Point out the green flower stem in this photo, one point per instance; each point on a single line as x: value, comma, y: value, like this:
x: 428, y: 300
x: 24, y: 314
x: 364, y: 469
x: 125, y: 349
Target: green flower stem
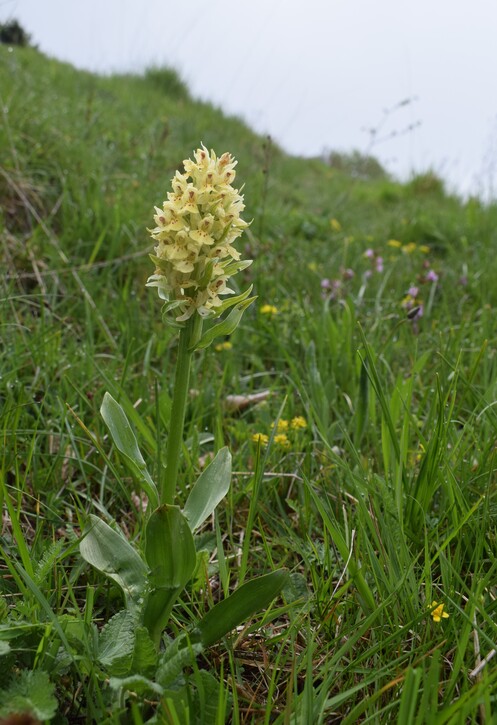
x: 188, y: 336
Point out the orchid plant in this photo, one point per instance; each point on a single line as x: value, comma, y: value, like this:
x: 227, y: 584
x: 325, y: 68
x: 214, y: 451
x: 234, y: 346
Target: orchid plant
x: 194, y: 258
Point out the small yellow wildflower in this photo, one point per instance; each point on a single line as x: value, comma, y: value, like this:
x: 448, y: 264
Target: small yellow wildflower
x: 268, y: 310
x: 409, y: 248
x: 394, y: 243
x: 424, y: 248
x: 282, y: 425
x: 438, y: 612
x: 226, y: 345
x: 260, y: 438
x: 282, y: 440
x: 335, y: 225
x: 298, y: 422
x: 313, y: 266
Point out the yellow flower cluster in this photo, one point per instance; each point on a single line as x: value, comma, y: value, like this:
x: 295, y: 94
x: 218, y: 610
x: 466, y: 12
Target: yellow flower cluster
x: 298, y: 422
x: 268, y: 310
x: 408, y: 248
x: 295, y: 423
x: 260, y: 438
x: 222, y: 346
x: 282, y: 440
x: 195, y: 231
x: 282, y: 427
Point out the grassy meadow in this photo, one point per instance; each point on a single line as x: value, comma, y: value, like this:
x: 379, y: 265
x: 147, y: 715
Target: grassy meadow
x: 357, y: 398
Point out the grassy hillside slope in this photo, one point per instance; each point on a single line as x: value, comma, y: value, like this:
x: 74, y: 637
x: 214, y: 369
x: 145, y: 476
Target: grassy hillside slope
x: 375, y: 325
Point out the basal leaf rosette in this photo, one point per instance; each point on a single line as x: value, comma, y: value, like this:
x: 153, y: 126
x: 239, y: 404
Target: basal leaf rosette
x: 195, y: 232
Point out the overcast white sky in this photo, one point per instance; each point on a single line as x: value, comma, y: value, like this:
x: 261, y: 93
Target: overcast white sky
x: 315, y: 74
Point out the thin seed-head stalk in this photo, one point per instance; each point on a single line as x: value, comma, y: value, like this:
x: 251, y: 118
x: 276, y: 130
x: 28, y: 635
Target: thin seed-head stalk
x: 188, y: 336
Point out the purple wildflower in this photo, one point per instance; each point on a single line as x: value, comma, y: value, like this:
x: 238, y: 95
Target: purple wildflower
x: 431, y: 276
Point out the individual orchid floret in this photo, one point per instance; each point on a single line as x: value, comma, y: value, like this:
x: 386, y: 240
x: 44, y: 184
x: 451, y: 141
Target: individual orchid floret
x: 195, y: 231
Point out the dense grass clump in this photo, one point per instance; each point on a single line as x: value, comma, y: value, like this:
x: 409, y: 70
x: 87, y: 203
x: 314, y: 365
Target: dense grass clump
x: 357, y: 398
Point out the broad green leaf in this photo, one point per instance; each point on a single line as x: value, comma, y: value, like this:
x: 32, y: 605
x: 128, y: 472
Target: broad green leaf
x: 116, y: 643
x: 136, y: 683
x: 30, y: 692
x: 226, y: 326
x: 157, y: 610
x: 111, y: 554
x: 144, y: 660
x: 295, y: 588
x: 169, y: 548
x: 125, y: 441
x: 205, y: 696
x: 210, y: 488
x: 82, y: 636
x: 120, y: 429
x: 170, y: 554
x: 240, y: 606
x: 130, y: 411
x: 178, y: 654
